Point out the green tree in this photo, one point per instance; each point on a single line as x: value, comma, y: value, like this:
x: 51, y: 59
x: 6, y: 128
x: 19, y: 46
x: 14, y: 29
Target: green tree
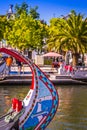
x: 27, y: 9
x: 21, y: 8
x: 53, y: 30
x: 33, y: 12
x: 26, y: 33
x: 3, y: 22
x: 70, y: 34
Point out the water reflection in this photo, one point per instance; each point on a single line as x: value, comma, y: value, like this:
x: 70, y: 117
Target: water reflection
x: 72, y: 110
x: 9, y: 92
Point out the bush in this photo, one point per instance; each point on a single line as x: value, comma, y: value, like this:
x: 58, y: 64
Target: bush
x: 47, y: 61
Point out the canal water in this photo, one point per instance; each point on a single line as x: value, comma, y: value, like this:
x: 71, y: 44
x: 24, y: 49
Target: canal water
x: 72, y: 110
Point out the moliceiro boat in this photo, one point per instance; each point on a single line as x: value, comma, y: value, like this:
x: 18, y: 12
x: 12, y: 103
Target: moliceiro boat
x: 39, y: 106
x: 80, y: 74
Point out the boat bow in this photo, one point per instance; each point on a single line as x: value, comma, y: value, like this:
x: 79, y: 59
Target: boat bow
x: 40, y: 104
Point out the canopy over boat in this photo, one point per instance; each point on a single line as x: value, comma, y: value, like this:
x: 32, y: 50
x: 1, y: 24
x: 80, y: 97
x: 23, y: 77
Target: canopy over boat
x: 38, y: 107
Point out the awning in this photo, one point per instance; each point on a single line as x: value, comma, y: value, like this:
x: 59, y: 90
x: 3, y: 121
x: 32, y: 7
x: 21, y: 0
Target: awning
x: 52, y: 54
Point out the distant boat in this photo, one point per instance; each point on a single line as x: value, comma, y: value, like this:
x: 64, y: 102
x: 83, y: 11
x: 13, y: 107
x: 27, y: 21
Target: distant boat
x: 39, y: 106
x: 80, y: 74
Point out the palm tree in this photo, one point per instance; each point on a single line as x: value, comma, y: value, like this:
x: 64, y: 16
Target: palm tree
x: 72, y: 35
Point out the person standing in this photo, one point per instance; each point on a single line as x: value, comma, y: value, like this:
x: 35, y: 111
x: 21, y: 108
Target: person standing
x: 9, y: 61
x: 19, y: 66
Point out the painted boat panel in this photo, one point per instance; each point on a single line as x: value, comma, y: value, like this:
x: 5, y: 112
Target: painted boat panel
x: 39, y: 105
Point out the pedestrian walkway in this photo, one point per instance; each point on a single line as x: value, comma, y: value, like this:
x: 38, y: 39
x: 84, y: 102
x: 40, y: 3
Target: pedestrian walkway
x: 26, y: 69
x: 25, y: 76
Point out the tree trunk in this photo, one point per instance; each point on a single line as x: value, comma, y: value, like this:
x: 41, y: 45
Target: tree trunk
x: 75, y: 59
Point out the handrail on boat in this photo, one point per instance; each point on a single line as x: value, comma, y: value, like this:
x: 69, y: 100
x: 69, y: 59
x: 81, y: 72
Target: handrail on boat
x: 9, y: 113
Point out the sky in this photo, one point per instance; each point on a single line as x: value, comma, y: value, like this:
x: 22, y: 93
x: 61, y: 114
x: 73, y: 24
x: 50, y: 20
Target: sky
x: 49, y: 8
